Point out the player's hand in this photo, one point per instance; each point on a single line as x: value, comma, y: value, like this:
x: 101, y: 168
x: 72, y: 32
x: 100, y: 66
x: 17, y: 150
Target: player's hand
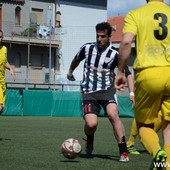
x: 13, y: 74
x: 70, y: 77
x: 132, y: 98
x: 120, y: 82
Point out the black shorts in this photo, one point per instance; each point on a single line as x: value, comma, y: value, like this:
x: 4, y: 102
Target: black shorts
x: 92, y: 102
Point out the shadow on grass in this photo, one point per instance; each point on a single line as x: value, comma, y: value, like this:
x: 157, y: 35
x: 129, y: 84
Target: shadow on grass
x: 143, y: 151
x: 1, y: 139
x: 70, y: 160
x: 99, y: 156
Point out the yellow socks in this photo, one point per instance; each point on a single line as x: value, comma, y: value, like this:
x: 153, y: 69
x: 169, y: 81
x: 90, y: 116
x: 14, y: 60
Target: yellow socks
x: 167, y: 149
x: 150, y: 140
x: 133, y: 133
x: 158, y: 122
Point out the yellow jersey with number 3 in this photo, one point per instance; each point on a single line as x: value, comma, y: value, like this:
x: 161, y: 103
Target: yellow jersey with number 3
x: 151, y: 26
x: 3, y: 61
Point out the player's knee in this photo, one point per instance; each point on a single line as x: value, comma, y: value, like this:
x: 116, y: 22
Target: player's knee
x: 113, y: 116
x: 91, y: 125
x: 91, y: 121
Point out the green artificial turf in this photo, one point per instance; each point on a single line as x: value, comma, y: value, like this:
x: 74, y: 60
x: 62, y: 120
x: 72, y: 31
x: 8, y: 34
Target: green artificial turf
x: 33, y: 143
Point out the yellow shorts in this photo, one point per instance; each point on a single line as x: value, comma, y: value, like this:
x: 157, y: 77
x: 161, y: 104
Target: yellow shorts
x: 152, y: 89
x: 2, y: 94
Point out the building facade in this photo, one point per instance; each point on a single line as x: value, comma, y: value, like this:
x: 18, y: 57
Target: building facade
x: 29, y: 36
x: 43, y: 36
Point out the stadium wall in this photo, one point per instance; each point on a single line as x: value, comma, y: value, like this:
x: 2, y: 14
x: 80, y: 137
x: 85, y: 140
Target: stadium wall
x: 53, y: 103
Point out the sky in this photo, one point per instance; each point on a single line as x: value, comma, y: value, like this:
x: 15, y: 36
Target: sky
x: 121, y: 7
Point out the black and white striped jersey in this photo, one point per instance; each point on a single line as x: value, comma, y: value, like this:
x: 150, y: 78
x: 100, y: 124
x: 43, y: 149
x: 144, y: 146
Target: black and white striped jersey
x: 98, y: 67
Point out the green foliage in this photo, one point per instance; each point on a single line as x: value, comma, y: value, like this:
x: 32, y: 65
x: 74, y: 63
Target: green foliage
x: 30, y: 31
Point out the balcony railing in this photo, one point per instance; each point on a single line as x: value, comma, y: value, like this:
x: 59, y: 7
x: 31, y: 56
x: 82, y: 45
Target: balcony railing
x: 40, y: 32
x: 43, y: 86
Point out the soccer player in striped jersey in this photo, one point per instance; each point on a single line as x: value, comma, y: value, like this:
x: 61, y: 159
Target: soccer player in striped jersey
x: 150, y: 26
x: 100, y: 59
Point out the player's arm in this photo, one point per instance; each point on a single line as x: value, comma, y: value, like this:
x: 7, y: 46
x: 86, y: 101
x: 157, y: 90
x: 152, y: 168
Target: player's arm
x: 124, y: 54
x: 73, y: 66
x: 130, y: 83
x: 11, y: 70
x: 125, y: 50
x: 75, y: 62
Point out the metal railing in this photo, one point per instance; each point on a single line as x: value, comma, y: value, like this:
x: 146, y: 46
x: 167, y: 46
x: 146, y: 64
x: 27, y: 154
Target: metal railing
x: 29, y: 31
x: 42, y: 86
x: 55, y: 87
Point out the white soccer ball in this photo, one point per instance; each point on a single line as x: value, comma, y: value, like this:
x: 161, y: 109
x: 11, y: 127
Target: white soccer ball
x: 71, y: 148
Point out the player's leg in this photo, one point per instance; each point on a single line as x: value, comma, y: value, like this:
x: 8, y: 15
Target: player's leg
x: 158, y: 154
x: 91, y: 121
x: 109, y: 103
x: 158, y: 122
x: 91, y: 110
x: 119, y: 131
x: 133, y: 133
x: 147, y: 105
x: 166, y: 127
x: 2, y: 98
x: 166, y: 135
x: 131, y: 141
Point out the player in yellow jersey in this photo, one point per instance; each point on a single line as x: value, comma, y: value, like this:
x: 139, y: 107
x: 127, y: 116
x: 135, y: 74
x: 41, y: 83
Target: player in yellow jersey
x: 4, y: 65
x: 150, y: 26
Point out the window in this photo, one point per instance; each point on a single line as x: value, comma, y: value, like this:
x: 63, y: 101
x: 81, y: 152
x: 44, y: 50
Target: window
x: 17, y: 61
x: 36, y: 61
x: 38, y: 15
x: 33, y: 18
x: 17, y: 15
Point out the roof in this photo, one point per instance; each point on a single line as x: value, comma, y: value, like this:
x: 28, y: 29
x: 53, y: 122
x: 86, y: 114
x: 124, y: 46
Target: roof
x: 117, y: 22
x: 19, y: 1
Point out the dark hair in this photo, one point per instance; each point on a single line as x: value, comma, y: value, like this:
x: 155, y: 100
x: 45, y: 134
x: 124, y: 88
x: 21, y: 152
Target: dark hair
x: 1, y: 31
x: 104, y: 26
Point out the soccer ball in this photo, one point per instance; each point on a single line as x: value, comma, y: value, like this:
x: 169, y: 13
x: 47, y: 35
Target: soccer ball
x: 71, y: 148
